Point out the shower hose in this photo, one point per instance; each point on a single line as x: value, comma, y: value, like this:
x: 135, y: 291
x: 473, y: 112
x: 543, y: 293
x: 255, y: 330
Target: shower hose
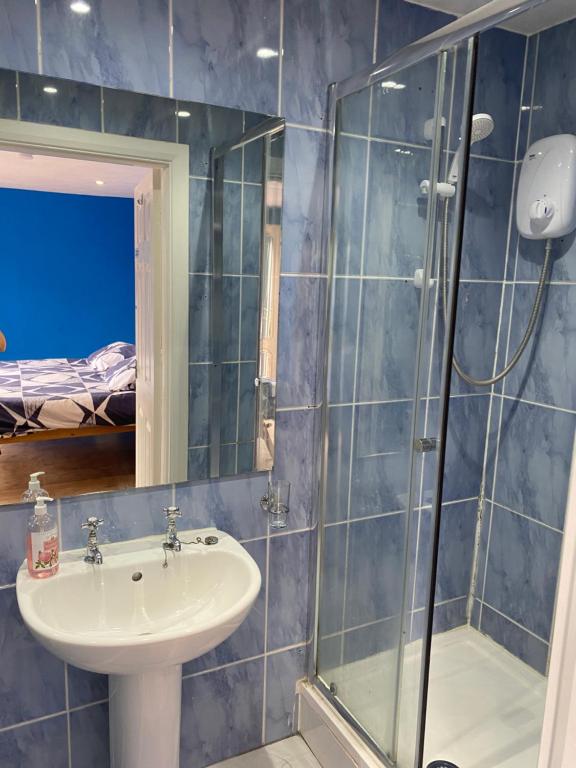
x: 531, y: 322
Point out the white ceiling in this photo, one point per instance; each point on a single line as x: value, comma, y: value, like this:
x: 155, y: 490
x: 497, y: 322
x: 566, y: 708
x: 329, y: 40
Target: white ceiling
x: 547, y: 15
x: 47, y: 173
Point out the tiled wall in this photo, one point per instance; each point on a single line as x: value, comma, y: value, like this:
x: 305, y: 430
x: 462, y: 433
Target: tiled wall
x: 533, y: 412
x: 248, y: 683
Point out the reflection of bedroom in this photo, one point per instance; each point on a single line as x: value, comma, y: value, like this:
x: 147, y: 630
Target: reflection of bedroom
x: 67, y: 386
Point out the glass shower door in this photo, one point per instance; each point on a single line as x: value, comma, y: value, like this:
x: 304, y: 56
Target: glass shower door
x: 383, y: 406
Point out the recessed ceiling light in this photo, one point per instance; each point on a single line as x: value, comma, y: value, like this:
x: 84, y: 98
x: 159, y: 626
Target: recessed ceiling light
x: 50, y: 89
x: 100, y: 182
x: 266, y: 53
x: 182, y: 113
x: 80, y: 6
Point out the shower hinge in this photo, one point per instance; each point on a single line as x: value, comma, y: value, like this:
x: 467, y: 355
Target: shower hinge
x: 425, y: 444
x: 333, y: 689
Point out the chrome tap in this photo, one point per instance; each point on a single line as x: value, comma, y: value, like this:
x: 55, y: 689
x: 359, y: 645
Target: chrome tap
x: 93, y: 554
x: 172, y: 543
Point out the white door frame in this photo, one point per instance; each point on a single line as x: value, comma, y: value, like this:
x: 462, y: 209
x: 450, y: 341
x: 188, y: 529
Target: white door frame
x: 172, y: 263
x: 558, y: 744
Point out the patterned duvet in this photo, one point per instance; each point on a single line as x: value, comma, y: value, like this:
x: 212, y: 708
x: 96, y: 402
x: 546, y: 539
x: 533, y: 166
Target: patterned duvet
x: 57, y: 394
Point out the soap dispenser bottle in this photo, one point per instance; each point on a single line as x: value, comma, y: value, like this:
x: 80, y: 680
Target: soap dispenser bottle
x: 42, y: 541
x: 34, y: 490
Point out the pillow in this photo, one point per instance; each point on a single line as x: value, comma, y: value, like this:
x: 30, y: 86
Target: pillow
x: 121, y: 376
x: 113, y: 353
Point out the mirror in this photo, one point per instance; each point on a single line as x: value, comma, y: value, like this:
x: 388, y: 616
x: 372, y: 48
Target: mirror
x: 141, y: 242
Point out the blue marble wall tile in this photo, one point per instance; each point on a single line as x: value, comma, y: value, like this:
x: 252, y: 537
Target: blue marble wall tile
x: 465, y: 446
x: 228, y: 455
x: 251, y: 229
x: 332, y: 579
x: 248, y: 640
x: 300, y: 302
x: 8, y: 100
x: 531, y: 258
x: 35, y: 743
x: 127, y: 515
x: 338, y: 463
x: 348, y: 214
x: 329, y: 652
x: 483, y: 549
x: 283, y: 672
x: 199, y: 415
x: 76, y: 105
x: 455, y: 552
x: 388, y: 336
x: 198, y: 464
x: 18, y: 44
x: 294, y: 461
x: 253, y: 153
x: 499, y: 89
x: 375, y: 555
x: 89, y: 737
x: 476, y: 334
x: 367, y: 641
x: 231, y: 241
x: 247, y: 402
x: 121, y: 45
x: 401, y: 114
x: 220, y: 41
x: 529, y: 75
x: 380, y: 463
x: 353, y: 113
x: 229, y: 402
x: 13, y: 528
x: 208, y: 127
x: 447, y: 616
x: 305, y: 164
x: 323, y: 43
x: 31, y: 678
x: 230, y: 318
x: 134, y: 114
x: 343, y: 331
x: 397, y: 211
x: 231, y: 505
x: 555, y: 96
x: 245, y: 457
x: 546, y: 372
x: 521, y: 644
x: 222, y: 711
x: 250, y: 309
x: 400, y: 23
x: 288, y: 590
x: 85, y: 687
x: 199, y: 224
x: 199, y: 318
x: 532, y: 474
x: 523, y: 561
x: 488, y: 200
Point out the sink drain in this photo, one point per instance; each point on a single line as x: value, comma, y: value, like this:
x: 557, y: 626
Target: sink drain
x: 136, y: 576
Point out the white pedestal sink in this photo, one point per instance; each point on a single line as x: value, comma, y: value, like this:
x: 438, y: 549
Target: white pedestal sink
x: 138, y: 622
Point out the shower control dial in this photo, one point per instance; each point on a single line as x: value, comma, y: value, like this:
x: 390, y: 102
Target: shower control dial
x: 541, y: 211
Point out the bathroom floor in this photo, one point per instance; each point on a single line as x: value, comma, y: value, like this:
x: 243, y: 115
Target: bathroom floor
x: 289, y: 753
x: 485, y: 707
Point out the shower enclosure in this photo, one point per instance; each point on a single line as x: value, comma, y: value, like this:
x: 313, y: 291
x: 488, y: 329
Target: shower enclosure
x: 424, y: 641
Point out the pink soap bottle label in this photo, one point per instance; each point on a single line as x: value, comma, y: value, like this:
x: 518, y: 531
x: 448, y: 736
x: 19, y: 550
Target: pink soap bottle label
x: 42, y: 553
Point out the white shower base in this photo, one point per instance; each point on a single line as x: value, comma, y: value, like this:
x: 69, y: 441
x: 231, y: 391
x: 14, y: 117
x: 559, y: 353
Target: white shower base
x: 485, y: 706
x: 288, y: 753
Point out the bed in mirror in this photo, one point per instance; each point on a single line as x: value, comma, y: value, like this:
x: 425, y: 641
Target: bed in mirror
x: 141, y: 246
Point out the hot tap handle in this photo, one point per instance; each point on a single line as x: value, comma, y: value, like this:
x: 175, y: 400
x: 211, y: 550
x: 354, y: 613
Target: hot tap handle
x: 93, y: 523
x: 172, y: 512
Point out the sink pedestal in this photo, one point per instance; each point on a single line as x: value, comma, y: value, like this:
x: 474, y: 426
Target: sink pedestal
x: 145, y: 718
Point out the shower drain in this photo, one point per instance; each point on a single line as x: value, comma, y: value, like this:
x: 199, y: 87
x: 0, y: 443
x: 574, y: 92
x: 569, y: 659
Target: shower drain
x: 441, y: 764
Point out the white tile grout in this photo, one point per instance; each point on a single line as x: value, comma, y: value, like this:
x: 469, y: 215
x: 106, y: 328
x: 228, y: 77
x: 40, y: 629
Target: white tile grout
x: 526, y: 517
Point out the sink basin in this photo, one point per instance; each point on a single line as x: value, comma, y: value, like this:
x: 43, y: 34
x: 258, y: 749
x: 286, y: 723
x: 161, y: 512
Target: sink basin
x: 139, y: 622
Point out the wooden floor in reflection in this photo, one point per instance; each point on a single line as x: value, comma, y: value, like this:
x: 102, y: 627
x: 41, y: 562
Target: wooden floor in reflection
x: 72, y: 466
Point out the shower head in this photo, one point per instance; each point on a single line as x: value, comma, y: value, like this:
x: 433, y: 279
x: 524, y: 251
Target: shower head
x: 482, y: 127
